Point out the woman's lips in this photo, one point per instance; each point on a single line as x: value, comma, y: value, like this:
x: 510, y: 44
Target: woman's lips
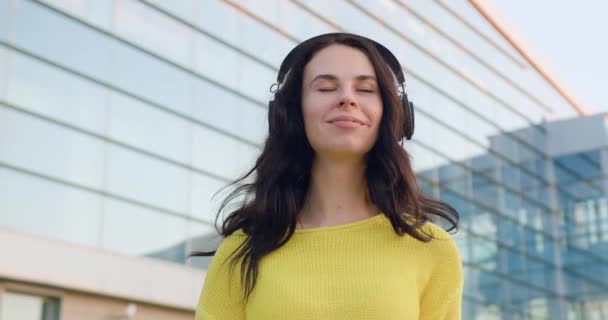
x: 346, y: 123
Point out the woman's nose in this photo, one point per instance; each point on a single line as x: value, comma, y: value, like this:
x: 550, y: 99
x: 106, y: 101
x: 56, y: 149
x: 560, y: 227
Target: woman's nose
x: 347, y: 98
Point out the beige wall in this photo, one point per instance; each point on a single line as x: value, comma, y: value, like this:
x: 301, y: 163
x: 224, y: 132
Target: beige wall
x: 78, y: 305
x: 31, y: 259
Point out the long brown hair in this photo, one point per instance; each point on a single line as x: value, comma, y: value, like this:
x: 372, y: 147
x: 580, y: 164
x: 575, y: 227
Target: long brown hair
x: 275, y: 193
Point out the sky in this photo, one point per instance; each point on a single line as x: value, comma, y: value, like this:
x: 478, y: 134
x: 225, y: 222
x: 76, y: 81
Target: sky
x: 570, y: 38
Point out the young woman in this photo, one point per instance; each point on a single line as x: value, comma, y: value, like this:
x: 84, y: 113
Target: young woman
x: 333, y: 225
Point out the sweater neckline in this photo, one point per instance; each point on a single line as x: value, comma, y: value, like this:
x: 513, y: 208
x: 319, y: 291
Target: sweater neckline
x: 341, y: 226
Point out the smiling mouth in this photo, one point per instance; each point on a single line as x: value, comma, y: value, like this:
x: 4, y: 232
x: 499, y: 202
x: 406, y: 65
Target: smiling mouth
x: 346, y: 123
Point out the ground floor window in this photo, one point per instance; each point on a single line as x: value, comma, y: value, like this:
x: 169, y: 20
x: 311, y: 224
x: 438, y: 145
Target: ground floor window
x: 23, y: 306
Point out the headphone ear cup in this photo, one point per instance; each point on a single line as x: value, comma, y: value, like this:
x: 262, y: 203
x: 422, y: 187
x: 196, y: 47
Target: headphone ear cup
x: 408, y: 117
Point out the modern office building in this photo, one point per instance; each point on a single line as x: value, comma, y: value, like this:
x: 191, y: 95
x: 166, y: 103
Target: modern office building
x: 120, y: 119
x: 535, y: 232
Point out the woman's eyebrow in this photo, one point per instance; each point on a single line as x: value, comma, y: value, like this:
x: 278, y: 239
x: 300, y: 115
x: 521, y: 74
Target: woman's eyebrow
x: 365, y: 77
x: 325, y: 77
x: 332, y: 77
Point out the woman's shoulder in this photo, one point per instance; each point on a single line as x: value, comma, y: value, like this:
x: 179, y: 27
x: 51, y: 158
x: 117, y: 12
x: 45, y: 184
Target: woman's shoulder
x: 238, y: 234
x: 231, y: 242
x: 442, y: 247
x: 435, y: 231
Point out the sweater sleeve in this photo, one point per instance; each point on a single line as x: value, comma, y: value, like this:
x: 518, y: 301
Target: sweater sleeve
x: 221, y: 297
x: 442, y: 296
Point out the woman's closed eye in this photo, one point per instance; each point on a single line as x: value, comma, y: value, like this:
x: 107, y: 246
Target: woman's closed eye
x: 333, y: 89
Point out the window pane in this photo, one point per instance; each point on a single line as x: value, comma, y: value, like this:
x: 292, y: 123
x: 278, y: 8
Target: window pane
x: 229, y: 112
x: 43, y: 32
x: 203, y: 189
x: 138, y: 124
x: 255, y: 80
x: 50, y: 149
x: 47, y: 90
x: 28, y: 307
x: 139, y: 177
x: 254, y: 37
x: 236, y: 71
x: 185, y: 9
x: 423, y: 159
x: 58, y: 212
x: 154, y: 31
x: 151, y: 78
x: 97, y: 12
x: 453, y: 146
x: 20, y: 306
x: 220, y: 154
x: 5, y: 11
x: 300, y: 23
x: 3, y: 71
x: 138, y: 231
x: 202, y: 237
x: 216, y: 17
x: 207, y: 54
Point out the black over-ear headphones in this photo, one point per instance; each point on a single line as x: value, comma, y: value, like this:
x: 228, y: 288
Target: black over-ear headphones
x: 389, y: 59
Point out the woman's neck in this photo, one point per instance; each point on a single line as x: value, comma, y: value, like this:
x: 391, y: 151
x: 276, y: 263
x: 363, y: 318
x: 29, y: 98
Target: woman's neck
x: 337, y: 194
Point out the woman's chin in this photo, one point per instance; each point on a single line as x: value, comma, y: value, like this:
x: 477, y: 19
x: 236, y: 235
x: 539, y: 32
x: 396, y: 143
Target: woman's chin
x: 343, y: 150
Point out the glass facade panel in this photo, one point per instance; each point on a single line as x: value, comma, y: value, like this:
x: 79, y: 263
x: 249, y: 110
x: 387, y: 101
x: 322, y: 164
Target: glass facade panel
x: 5, y: 16
x: 96, y: 12
x: 139, y: 231
x: 151, y: 79
x: 183, y: 9
x: 137, y: 124
x: 203, y: 205
x: 49, y: 149
x: 144, y: 26
x: 299, y: 23
x: 49, y: 209
x: 222, y: 155
x: 144, y: 179
x: 3, y: 67
x: 50, y: 92
x: 43, y: 32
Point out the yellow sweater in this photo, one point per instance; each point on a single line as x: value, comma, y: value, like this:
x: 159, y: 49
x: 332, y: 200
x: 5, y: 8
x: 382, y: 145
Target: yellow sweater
x: 359, y: 270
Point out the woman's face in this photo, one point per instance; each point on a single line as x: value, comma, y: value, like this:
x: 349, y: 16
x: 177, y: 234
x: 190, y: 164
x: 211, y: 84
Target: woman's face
x: 341, y: 102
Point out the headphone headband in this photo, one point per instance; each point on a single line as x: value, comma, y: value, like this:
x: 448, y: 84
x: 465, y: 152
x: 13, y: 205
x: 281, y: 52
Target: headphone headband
x: 386, y: 54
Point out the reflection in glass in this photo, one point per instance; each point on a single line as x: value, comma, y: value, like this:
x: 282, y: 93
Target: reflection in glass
x: 202, y: 237
x: 300, y: 23
x: 3, y: 72
x: 97, y: 12
x: 203, y: 205
x: 43, y: 32
x: 154, y: 31
x: 45, y: 208
x: 221, y: 155
x: 137, y: 124
x: 5, y: 10
x: 138, y: 231
x: 151, y: 79
x: 142, y: 178
x: 206, y: 55
x: 229, y: 112
x: 49, y: 91
x: 50, y: 149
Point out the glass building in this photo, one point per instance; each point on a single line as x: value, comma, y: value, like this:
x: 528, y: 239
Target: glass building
x: 120, y: 119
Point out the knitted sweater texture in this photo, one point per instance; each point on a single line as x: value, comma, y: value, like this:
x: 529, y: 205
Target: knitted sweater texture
x: 358, y: 270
